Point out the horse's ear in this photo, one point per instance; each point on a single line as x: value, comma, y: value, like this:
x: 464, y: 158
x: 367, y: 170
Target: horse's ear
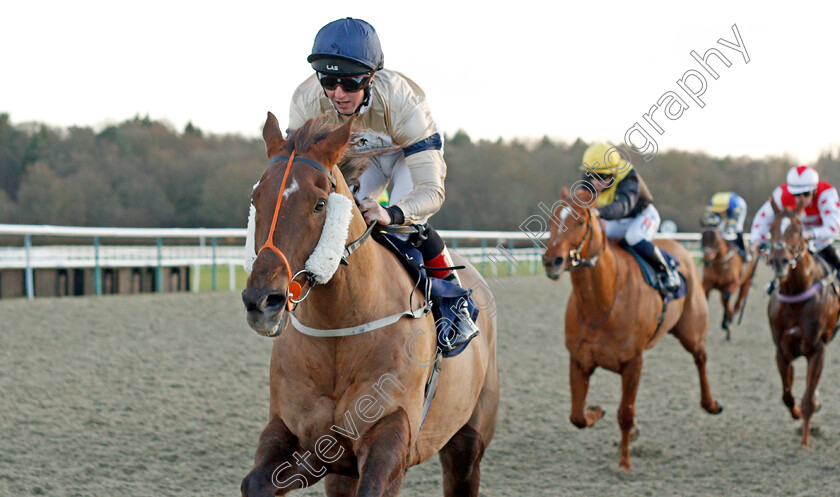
x: 272, y: 135
x: 775, y: 207
x: 564, y: 193
x: 329, y: 150
x: 584, y: 197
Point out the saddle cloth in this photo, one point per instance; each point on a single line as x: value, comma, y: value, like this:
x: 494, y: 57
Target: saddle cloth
x: 445, y: 295
x: 650, y: 273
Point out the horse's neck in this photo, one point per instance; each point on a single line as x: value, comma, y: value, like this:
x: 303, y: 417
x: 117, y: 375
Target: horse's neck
x: 800, y: 278
x: 597, y: 285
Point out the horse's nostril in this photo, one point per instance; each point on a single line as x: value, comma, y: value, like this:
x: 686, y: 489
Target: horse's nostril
x: 273, y: 302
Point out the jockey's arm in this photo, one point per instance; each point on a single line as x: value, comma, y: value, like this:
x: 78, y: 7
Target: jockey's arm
x: 761, y: 224
x: 427, y: 170
x: 626, y: 197
x: 413, y: 128
x: 830, y: 216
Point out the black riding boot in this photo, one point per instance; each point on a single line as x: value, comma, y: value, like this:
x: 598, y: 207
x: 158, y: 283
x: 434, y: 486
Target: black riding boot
x: 829, y: 254
x: 668, y: 278
x: 436, y: 255
x: 739, y: 242
x: 464, y: 325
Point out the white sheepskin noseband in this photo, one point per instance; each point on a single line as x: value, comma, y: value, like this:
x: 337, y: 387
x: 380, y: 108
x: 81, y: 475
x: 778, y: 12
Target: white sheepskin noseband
x: 326, y: 257
x: 250, y: 249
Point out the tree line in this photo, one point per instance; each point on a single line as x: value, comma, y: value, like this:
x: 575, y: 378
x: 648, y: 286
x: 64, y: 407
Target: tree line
x: 144, y: 173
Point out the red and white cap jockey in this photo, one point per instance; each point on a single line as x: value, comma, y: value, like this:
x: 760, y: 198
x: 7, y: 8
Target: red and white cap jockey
x: 820, y: 217
x: 801, y: 179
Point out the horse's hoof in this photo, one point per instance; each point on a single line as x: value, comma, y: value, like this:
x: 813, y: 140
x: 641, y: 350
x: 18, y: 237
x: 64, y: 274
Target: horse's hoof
x: 795, y: 413
x: 625, y: 465
x: 717, y: 408
x: 597, y: 410
x: 593, y: 414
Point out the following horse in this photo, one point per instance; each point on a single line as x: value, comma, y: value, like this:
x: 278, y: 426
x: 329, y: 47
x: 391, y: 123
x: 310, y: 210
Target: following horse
x: 723, y: 270
x: 611, y: 316
x: 802, y: 312
x: 350, y: 408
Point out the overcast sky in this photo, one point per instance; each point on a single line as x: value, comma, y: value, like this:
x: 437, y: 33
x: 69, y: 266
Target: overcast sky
x: 494, y: 69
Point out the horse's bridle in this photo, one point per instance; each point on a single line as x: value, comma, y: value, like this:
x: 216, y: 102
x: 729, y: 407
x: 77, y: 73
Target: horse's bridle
x: 797, y: 255
x: 575, y: 260
x: 293, y: 297
x: 729, y: 254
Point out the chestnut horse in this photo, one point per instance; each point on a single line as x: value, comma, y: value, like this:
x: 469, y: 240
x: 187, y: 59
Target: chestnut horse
x: 350, y: 408
x: 611, y: 316
x: 802, y: 312
x: 723, y: 270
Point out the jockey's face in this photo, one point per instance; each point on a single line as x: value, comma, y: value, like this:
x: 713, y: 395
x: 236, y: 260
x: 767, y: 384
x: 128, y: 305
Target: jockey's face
x: 601, y: 181
x: 804, y: 198
x: 345, y: 102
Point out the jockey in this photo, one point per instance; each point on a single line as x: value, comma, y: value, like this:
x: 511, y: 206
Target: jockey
x: 820, y: 217
x: 626, y: 205
x: 728, y: 211
x: 392, y: 117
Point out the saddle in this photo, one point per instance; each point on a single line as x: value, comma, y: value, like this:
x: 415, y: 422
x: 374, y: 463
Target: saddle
x: 443, y: 294
x: 650, y: 274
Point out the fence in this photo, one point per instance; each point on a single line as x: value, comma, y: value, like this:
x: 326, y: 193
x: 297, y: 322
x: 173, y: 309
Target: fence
x: 165, y: 249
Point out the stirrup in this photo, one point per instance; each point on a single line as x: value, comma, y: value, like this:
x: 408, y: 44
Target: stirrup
x: 771, y: 287
x: 669, y: 280
x: 464, y: 327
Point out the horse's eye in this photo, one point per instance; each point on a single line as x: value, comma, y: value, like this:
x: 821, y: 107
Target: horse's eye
x: 320, y: 205
x: 580, y: 223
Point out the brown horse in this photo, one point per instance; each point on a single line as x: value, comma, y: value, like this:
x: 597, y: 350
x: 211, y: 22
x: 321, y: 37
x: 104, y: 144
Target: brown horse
x: 802, y: 312
x: 611, y: 316
x: 723, y: 270
x: 350, y: 408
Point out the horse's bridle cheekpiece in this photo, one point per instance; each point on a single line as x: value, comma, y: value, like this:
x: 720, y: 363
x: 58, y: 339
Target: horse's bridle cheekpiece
x: 322, y: 275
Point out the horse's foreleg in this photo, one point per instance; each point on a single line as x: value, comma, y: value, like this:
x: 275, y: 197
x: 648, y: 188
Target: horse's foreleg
x: 743, y: 288
x: 808, y: 404
x: 726, y: 300
x: 786, y: 373
x: 631, y: 372
x: 279, y: 464
x: 579, y: 383
x: 382, y: 455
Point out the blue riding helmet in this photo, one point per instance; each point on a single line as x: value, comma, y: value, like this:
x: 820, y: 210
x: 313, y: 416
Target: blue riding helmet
x: 346, y: 47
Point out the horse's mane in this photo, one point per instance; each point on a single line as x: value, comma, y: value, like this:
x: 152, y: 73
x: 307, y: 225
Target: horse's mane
x: 351, y: 165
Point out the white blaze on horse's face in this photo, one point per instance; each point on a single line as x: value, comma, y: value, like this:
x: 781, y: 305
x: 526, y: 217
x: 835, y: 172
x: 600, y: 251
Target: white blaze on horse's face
x: 784, y: 224
x: 564, y: 213
x: 561, y: 226
x: 290, y: 189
